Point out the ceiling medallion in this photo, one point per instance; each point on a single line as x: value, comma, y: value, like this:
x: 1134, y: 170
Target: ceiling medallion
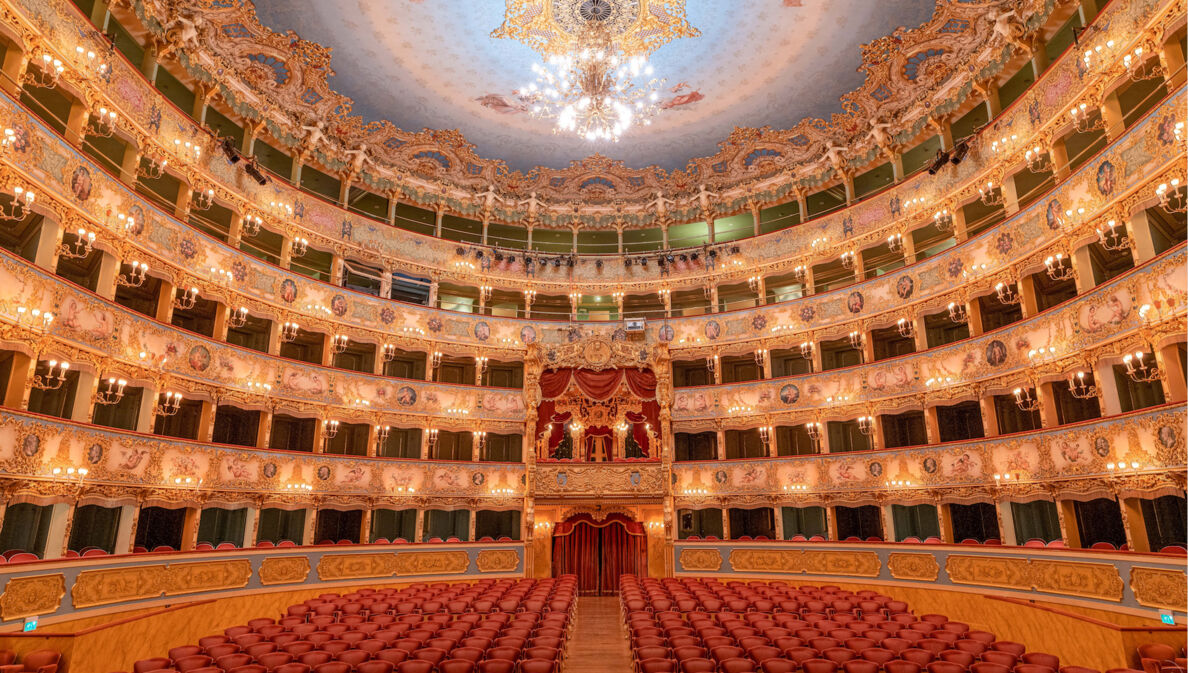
x: 595, y: 82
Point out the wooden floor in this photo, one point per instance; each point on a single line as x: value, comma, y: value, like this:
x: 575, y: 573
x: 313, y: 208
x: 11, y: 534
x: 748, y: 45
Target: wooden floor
x: 598, y: 644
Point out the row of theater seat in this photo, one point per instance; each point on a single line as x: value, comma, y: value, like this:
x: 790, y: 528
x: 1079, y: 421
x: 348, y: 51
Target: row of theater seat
x: 706, y: 626
x: 1160, y: 658
x: 492, y: 626
x: 37, y: 661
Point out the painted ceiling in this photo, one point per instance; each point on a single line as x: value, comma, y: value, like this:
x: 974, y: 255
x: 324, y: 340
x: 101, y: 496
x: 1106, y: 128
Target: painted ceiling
x: 433, y: 64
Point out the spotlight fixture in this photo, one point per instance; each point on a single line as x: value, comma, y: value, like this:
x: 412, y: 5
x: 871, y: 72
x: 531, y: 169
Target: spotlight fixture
x: 643, y: 263
x: 229, y: 151
x: 942, y: 158
x: 499, y: 257
x: 627, y: 263
x: 960, y: 152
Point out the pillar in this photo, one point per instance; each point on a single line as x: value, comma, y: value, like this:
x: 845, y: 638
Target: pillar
x: 1171, y: 57
x: 470, y: 527
x: 190, y: 528
x: 1135, y: 524
x: 109, y: 270
x: 418, y: 534
x: 295, y: 173
x: 721, y: 440
x: 392, y: 204
x: 1111, y: 112
x: 365, y: 527
x: 221, y: 316
x: 1082, y: 264
x: 664, y: 235
x: 439, y: 215
x: 1167, y: 359
x: 973, y: 309
x: 802, y: 203
x: 76, y: 121
x: 831, y: 523
x: 182, y: 209
x: 1058, y: 153
x: 344, y: 196
x: 896, y: 167
x: 714, y: 308
x: 1069, y: 531
x: 58, y: 535
x: 250, y: 132
x: 147, y: 415
x: 1142, y: 243
x: 931, y: 425
x: 779, y: 521
x: 1010, y: 195
x: 921, y: 332
x: 125, y: 540
x: 16, y: 62
x: 264, y: 430
x: 989, y: 89
x: 337, y: 269
x: 251, y: 526
x: 909, y: 248
x: 1029, y: 296
x: 619, y: 234
x: 130, y: 165
x: 848, y: 183
x: 960, y: 230
x: 725, y: 522
x: 888, y: 522
x: 1046, y: 395
x: 286, y: 252
x: 20, y: 382
x: 989, y: 416
x: 206, y: 417
x: 945, y: 517
x: 386, y: 284
x: 48, y: 240
x: 1006, y: 523
x: 311, y: 522
x: 83, y: 409
x: 148, y: 62
x: 433, y: 293
x: 165, y: 295
x: 202, y: 95
x: 1107, y: 388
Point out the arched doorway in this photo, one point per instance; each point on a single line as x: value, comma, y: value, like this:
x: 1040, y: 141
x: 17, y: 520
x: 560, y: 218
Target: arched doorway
x: 598, y: 552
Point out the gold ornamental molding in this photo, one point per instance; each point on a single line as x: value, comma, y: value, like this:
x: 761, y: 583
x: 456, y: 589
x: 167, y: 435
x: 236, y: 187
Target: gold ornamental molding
x: 701, y: 560
x: 432, y: 563
x: 284, y: 570
x: 116, y: 585
x: 795, y: 561
x: 497, y: 561
x: 353, y: 566
x: 29, y: 596
x: 552, y: 27
x: 913, y: 566
x: 1160, y: 588
x: 1071, y: 578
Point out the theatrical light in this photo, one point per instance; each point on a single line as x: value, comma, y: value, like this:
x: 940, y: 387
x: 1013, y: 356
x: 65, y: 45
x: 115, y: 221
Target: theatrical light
x: 299, y: 247
x: 382, y: 432
x: 990, y: 195
x: 34, y: 319
x: 1078, y: 388
x: 46, y: 74
x: 288, y: 332
x: 480, y: 440
x: 80, y: 472
x: 1137, y: 67
x: 102, y: 123
x: 907, y: 328
x: 186, y: 300
x: 329, y: 429
x: 89, y: 63
x: 434, y: 360
x: 1072, y: 218
x: 135, y: 277
x: 711, y: 363
x: 847, y: 259
x: 942, y: 158
x: 753, y: 283
x: 766, y: 433
x: 54, y: 378
x: 186, y: 148
x: 1025, y: 401
x: 799, y: 273
x: 170, y: 405
x: 339, y: 343
x: 82, y: 246
x: 1111, y: 238
x: 237, y: 318
x: 761, y: 357
x: 1040, y: 355
x: 960, y: 152
x: 297, y: 486
x: 1058, y: 267
x: 857, y: 340
x: 958, y: 313
x: 1172, y: 197
x: 113, y: 393
x: 1006, y: 294
x: 485, y: 293
x: 1138, y: 370
x: 1000, y: 145
x: 125, y: 222
x: 480, y: 364
x: 866, y: 425
x: 943, y: 220
x: 813, y: 429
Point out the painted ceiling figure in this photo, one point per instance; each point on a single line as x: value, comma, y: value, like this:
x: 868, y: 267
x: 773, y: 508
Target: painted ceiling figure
x: 661, y: 204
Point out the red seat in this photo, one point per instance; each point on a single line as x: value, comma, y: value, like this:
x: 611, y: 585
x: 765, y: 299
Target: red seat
x: 736, y: 665
x: 1050, y: 660
x: 945, y: 667
x: 295, y: 667
x: 698, y: 666
x: 1033, y: 668
x: 456, y: 666
x: 818, y: 666
x: 146, y: 665
x: 414, y: 666
x: 375, y: 666
x: 657, y: 666
x: 1014, y: 648
x: 997, y: 657
x: 963, y: 659
x: 860, y: 666
x: 988, y: 667
x: 497, y: 666
x: 901, y: 666
x: 781, y: 666
x: 538, y: 666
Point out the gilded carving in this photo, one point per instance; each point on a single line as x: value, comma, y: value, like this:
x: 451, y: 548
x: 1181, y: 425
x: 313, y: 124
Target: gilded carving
x: 497, y: 560
x: 115, y: 585
x: 994, y: 571
x: 857, y: 563
x: 1160, y: 588
x: 284, y: 569
x: 351, y: 566
x: 432, y: 563
x: 904, y: 566
x: 1073, y: 578
x: 701, y: 560
x: 186, y: 578
x: 29, y: 596
x: 767, y: 560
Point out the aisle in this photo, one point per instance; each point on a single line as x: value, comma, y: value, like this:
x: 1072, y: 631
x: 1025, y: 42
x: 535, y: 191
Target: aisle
x: 598, y: 644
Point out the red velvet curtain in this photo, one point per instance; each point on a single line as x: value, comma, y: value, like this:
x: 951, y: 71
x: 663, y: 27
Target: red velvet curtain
x: 598, y: 386
x: 599, y: 552
x: 588, y: 441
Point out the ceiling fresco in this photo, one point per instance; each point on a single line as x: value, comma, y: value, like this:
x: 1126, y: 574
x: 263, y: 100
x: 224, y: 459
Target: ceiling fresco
x: 434, y: 64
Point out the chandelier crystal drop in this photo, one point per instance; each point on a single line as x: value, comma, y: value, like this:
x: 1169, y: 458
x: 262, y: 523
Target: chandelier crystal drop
x: 596, y: 91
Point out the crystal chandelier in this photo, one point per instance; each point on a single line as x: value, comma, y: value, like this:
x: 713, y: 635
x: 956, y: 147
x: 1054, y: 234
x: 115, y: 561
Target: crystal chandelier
x: 595, y: 91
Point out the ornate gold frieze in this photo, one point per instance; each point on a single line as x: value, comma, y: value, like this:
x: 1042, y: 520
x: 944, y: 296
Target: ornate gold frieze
x: 857, y: 563
x: 284, y: 569
x: 767, y: 560
x: 497, y: 561
x: 1160, y: 588
x: 994, y: 571
x: 701, y: 560
x: 353, y: 566
x: 1072, y: 578
x: 31, y: 596
x: 185, y: 578
x: 906, y: 566
x: 432, y: 563
x: 116, y: 585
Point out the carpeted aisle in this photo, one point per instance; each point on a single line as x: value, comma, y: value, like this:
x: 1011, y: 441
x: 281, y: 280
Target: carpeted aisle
x: 599, y: 643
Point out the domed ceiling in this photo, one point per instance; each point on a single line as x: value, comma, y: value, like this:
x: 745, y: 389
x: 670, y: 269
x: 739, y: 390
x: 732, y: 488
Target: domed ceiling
x: 436, y: 64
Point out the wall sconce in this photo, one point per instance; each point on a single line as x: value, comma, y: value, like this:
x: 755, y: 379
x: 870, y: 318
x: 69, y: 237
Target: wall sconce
x: 480, y: 440
x: 1111, y: 239
x: 70, y: 473
x: 899, y: 483
x: 1000, y: 145
x: 431, y: 438
x: 251, y: 226
x: 543, y: 526
x: 1122, y: 465
x: 753, y: 283
x: 485, y: 293
x: 1040, y: 355
x: 857, y: 340
x: 388, y: 352
x: 480, y: 364
x: 1006, y: 294
x: 47, y: 74
x: 806, y: 350
x: 1006, y: 476
x: 847, y: 259
x: 261, y: 388
x: 89, y: 63
x: 102, y: 123
x: 434, y: 360
x: 907, y: 328
x: 1084, y: 120
x: 895, y: 242
x: 1172, y: 197
x: 1137, y: 67
x: 943, y: 220
x: 958, y: 313
x: 695, y: 492
x: 361, y: 403
x: 151, y: 168
x: 329, y: 429
x: 530, y: 296
x: 83, y: 244
x: 939, y: 381
x: 135, y: 277
x: 187, y: 149
x: 339, y: 343
x: 186, y: 300
x: 122, y: 221
x: 203, y: 200
x: 457, y: 411
x: 575, y: 298
x: 761, y: 357
x: 765, y: 434
x: 1058, y: 267
x: 280, y: 209
x: 237, y: 318
x: 288, y: 332
x: 1025, y: 401
x: 990, y: 195
x: 381, y: 434
x: 800, y: 273
x: 55, y: 376
x: 1038, y: 160
x: 16, y: 209
x: 222, y: 276
x: 813, y: 429
x: 299, y: 248
x: 34, y: 319
x: 170, y: 405
x: 501, y: 492
x: 866, y: 425
x: 711, y: 363
x: 1138, y: 370
x: 1078, y: 388
x: 293, y: 487
x: 113, y: 393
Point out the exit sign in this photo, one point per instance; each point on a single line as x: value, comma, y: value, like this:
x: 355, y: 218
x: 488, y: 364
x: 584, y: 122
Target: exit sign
x: 30, y: 624
x: 1166, y: 618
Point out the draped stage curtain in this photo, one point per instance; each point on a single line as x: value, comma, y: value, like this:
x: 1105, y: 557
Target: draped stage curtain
x: 599, y: 552
x: 598, y: 385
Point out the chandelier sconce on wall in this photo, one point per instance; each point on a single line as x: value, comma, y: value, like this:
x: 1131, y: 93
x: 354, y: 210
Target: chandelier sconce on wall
x: 895, y: 242
x: 800, y: 273
x: 958, y: 313
x: 186, y: 300
x: 1059, y: 267
x: 1025, y: 401
x: 339, y: 343
x: 866, y: 425
x: 943, y: 220
x: 813, y: 429
x: 170, y: 405
x: 203, y: 200
x: 251, y: 226
x: 711, y: 363
x: 1007, y: 294
x: 1113, y: 239
x: 1085, y: 120
x: 237, y: 318
x: 1138, y: 369
x: 46, y: 74
x: 857, y: 340
x: 806, y: 350
x: 761, y: 357
x: 766, y: 435
x: 1038, y: 160
x: 907, y: 328
x: 102, y: 123
x: 329, y: 429
x: 299, y: 247
x: 1078, y: 388
x: 288, y: 332
x: 990, y: 195
x: 112, y: 393
x: 54, y: 377
x: 34, y: 319
x: 82, y: 246
x: 1139, y: 69
x: 388, y: 352
x: 847, y: 259
x: 135, y: 276
x: 1172, y: 196
x: 151, y: 168
x: 480, y: 364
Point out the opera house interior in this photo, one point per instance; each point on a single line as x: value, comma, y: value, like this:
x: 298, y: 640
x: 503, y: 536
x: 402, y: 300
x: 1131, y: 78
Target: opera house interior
x: 593, y: 336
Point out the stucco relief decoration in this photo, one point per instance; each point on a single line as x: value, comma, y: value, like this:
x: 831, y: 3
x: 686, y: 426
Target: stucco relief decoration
x: 1090, y: 580
x: 431, y: 563
x: 1159, y: 587
x: 187, y: 578
x: 33, y: 595
x: 497, y: 560
x: 906, y: 566
x: 283, y: 570
x: 701, y: 560
x: 115, y: 585
x: 349, y: 566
